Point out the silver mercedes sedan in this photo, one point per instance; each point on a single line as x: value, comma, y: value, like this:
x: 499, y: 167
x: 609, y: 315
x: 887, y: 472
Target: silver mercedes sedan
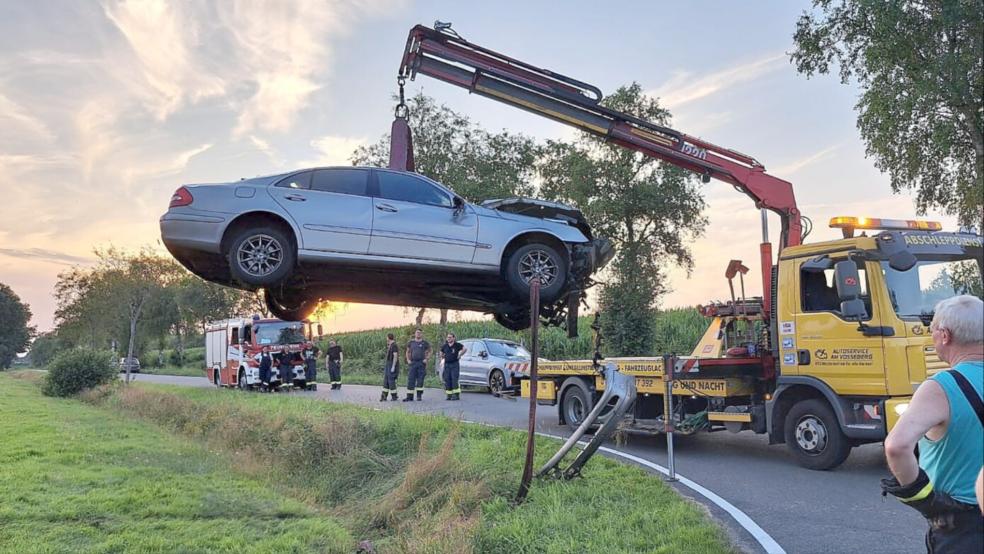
x: 361, y: 234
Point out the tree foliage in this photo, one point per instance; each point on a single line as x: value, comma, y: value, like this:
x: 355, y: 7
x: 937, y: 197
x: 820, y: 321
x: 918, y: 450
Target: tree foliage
x: 919, y: 65
x: 650, y: 211
x: 15, y: 333
x: 72, y: 371
x: 455, y: 151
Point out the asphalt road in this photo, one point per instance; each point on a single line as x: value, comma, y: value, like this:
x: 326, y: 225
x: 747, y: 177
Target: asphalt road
x: 830, y: 512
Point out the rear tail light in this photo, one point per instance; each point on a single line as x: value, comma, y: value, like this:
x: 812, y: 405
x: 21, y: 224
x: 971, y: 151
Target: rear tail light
x: 181, y: 197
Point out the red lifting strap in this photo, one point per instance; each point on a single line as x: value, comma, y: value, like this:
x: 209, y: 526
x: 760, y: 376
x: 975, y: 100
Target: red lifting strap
x: 401, y: 146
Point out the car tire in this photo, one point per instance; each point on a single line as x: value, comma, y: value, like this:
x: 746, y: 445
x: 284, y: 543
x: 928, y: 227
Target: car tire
x: 575, y: 405
x: 513, y: 321
x: 289, y: 307
x: 814, y: 436
x: 497, y: 381
x: 261, y: 256
x: 537, y: 259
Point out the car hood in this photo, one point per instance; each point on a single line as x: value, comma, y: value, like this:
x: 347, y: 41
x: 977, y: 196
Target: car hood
x: 541, y: 209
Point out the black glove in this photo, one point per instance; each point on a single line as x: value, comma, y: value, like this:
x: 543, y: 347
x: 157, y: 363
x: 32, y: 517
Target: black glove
x: 936, y: 506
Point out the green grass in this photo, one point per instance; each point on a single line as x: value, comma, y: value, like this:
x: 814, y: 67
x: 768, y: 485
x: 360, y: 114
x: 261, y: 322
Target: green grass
x: 412, y: 483
x: 76, y: 478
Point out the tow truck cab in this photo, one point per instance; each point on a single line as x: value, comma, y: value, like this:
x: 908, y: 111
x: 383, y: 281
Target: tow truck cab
x: 853, y: 315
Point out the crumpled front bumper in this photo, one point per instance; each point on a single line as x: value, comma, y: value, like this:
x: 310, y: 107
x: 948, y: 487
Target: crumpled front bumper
x: 591, y: 256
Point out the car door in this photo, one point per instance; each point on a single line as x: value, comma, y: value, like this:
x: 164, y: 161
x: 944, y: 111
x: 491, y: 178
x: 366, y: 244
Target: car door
x: 415, y: 218
x: 331, y: 207
x: 468, y: 364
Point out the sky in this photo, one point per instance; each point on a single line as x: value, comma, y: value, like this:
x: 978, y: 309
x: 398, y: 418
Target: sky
x: 106, y: 107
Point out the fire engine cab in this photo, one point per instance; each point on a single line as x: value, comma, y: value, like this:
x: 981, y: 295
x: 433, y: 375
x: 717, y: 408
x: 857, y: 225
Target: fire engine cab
x: 233, y: 348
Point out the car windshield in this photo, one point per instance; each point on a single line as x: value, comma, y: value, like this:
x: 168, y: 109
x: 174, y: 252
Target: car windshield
x: 507, y: 350
x: 280, y: 333
x: 916, y: 292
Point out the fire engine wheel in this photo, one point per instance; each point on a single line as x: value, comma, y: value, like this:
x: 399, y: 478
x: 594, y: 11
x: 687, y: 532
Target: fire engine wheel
x: 241, y: 381
x: 288, y: 307
x: 814, y: 436
x: 261, y: 256
x: 575, y: 405
x: 216, y: 378
x: 537, y: 260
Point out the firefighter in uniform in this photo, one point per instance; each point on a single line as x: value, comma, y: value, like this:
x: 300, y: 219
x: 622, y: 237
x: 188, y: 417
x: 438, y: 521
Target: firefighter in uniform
x: 266, y: 362
x: 418, y: 350
x: 451, y: 352
x: 392, y: 368
x: 311, y: 368
x: 334, y: 362
x: 286, y: 371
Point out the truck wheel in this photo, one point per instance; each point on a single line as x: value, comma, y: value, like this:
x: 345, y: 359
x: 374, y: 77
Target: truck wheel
x: 575, y: 405
x: 814, y: 436
x: 496, y: 382
x: 216, y: 378
x: 241, y: 381
x: 537, y: 260
x: 262, y: 256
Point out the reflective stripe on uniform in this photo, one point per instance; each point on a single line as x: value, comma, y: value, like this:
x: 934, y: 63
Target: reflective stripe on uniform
x: 923, y: 493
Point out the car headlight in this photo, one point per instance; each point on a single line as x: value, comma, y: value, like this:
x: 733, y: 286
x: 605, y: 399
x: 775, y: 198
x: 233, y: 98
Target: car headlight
x: 900, y: 408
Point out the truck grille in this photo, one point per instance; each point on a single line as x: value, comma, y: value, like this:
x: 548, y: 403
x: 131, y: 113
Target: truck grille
x: 933, y: 362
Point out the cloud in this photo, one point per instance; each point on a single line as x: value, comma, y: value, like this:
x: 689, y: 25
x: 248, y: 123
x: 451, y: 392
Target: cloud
x: 42, y: 254
x: 332, y: 150
x: 685, y: 87
x: 796, y: 165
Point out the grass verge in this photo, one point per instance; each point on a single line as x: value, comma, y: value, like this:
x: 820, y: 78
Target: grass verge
x: 411, y: 483
x: 78, y: 479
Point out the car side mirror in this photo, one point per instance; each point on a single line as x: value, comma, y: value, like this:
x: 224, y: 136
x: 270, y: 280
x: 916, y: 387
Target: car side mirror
x: 483, y: 354
x: 458, y: 202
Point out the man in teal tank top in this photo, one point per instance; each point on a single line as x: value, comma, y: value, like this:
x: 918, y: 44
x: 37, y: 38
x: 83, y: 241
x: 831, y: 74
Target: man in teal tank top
x: 946, y: 419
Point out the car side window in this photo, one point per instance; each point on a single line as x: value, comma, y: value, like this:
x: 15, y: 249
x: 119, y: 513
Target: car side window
x: 407, y: 188
x: 819, y: 292
x: 297, y: 181
x: 341, y: 181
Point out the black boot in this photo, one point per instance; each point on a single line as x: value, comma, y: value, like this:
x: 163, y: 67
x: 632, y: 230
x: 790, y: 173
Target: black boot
x: 420, y: 395
x: 393, y: 397
x: 447, y: 396
x: 409, y: 397
x: 383, y: 397
x: 456, y: 396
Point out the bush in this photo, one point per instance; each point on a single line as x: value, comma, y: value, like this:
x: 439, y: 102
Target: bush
x: 73, y: 371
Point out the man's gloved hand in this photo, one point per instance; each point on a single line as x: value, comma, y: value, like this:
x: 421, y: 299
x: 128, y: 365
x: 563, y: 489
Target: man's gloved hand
x: 936, y: 506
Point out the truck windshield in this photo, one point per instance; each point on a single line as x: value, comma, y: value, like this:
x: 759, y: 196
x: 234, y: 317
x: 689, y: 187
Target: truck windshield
x: 915, y: 292
x: 507, y: 350
x: 280, y: 333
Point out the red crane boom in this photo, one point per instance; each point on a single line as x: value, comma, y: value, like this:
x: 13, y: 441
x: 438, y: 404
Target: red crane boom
x: 442, y: 54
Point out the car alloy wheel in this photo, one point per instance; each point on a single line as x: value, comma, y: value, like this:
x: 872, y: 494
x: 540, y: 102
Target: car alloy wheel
x: 260, y: 255
x: 538, y: 263
x: 496, y: 382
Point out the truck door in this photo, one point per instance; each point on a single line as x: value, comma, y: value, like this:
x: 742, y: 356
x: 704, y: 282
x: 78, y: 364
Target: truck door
x: 828, y: 346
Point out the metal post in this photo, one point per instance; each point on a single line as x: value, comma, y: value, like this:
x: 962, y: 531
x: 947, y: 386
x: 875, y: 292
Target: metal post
x: 524, y: 483
x: 669, y: 362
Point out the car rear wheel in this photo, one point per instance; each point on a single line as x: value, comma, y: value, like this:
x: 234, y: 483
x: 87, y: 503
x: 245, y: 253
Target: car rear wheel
x: 514, y: 321
x: 261, y: 256
x: 289, y: 307
x: 497, y: 382
x: 541, y: 261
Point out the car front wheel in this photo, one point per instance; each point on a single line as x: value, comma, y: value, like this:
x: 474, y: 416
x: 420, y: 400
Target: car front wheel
x: 514, y: 321
x: 261, y: 256
x: 537, y: 261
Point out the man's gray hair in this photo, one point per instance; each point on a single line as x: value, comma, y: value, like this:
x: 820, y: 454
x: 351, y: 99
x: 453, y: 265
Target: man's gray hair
x: 963, y: 317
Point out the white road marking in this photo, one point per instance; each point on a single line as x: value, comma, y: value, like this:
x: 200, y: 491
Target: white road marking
x: 764, y: 539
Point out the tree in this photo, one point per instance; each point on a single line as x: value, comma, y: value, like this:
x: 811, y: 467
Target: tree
x: 15, y: 333
x: 451, y: 149
x: 919, y: 66
x: 648, y: 209
x: 44, y: 348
